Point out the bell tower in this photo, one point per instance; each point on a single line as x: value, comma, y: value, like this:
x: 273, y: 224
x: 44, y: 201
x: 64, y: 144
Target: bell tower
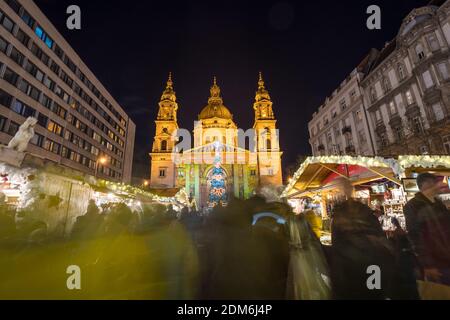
x: 267, y: 138
x: 162, y: 166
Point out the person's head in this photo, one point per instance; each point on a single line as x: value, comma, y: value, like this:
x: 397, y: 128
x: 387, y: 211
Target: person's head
x: 92, y: 207
x: 428, y: 184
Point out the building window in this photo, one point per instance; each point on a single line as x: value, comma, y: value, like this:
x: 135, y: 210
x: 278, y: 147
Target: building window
x: 3, y: 45
x: 13, y: 128
x: 54, y: 127
x: 392, y: 108
x: 22, y: 37
x: 378, y: 115
x: 398, y: 132
x: 359, y: 115
x: 433, y: 42
x: 333, y: 114
x: 427, y: 79
x: 6, y: 22
x: 373, y: 94
x: 2, y: 123
x: 162, y: 173
x: 423, y: 150
x: 446, y: 141
x: 409, y: 98
x: 401, y: 71
x: 417, y: 125
x: 443, y: 70
x: 252, y: 172
x: 362, y: 137
x: 5, y: 98
x: 419, y: 51
x: 383, y: 140
x: 37, y: 140
x: 22, y: 109
x: 164, y: 145
x: 42, y: 120
x: 386, y: 84
x: 329, y: 136
x: 27, y: 19
x: 52, y: 146
x: 10, y: 76
x: 268, y: 144
x: 43, y: 36
x: 438, y: 112
x: 16, y: 56
x: 343, y: 104
x: 353, y: 94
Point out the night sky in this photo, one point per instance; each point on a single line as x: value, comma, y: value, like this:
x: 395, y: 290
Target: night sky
x: 305, y: 49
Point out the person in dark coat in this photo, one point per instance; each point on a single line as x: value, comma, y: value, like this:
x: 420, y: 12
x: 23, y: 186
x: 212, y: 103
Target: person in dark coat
x: 88, y: 225
x: 358, y: 242
x: 246, y: 261
x: 428, y: 226
x: 405, y: 264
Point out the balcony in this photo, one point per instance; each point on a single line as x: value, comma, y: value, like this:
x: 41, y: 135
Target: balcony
x: 350, y: 149
x: 347, y: 129
x: 380, y: 127
x: 395, y: 120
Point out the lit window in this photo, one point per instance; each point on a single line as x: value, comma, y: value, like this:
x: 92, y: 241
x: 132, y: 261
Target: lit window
x: 409, y: 97
x: 392, y: 107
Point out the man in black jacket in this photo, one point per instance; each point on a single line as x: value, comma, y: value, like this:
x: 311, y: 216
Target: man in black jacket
x: 428, y: 225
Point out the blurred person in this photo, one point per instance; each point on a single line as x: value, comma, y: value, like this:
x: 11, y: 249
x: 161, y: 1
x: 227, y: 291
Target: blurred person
x: 88, y: 225
x: 358, y: 242
x: 406, y: 288
x: 242, y: 260
x: 308, y: 276
x: 119, y: 220
x: 314, y: 220
x: 428, y: 225
x: 7, y: 223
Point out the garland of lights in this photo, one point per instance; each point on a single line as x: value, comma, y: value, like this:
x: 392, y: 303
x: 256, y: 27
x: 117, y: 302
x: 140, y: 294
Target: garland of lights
x: 398, y: 166
x: 424, y: 161
x: 360, y: 161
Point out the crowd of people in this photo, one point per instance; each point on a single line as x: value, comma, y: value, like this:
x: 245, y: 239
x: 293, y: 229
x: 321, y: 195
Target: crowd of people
x: 251, y: 249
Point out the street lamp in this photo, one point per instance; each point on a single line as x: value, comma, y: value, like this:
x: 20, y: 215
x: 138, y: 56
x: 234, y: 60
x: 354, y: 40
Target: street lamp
x: 102, y: 161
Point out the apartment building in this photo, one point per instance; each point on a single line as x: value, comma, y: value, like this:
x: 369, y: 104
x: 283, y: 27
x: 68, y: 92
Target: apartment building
x: 340, y: 126
x: 397, y: 101
x: 41, y: 76
x: 407, y: 90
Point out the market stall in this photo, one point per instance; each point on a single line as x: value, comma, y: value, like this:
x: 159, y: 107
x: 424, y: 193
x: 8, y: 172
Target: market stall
x: 57, y: 196
x: 414, y: 165
x: 375, y: 182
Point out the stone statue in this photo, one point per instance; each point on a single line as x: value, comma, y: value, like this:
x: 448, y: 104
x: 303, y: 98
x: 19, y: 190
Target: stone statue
x: 26, y: 131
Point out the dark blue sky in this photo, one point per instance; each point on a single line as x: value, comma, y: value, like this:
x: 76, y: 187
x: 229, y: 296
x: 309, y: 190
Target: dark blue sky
x: 304, y: 49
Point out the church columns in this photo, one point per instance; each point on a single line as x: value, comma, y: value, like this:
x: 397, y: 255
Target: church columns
x: 236, y: 180
x: 246, y: 186
x: 188, y: 179
x: 197, y: 183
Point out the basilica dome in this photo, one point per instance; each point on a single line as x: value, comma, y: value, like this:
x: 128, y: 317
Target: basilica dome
x: 215, y: 107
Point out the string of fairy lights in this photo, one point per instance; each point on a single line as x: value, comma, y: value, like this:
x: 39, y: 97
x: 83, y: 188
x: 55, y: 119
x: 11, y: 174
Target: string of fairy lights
x: 398, y: 165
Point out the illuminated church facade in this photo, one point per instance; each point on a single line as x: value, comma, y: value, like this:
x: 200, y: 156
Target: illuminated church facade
x: 220, y: 161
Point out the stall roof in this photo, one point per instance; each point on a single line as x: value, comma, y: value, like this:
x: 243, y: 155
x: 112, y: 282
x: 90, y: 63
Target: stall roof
x: 422, y: 163
x: 316, y: 172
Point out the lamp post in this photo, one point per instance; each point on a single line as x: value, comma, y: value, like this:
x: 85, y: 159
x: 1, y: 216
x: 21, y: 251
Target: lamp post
x: 102, y: 161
